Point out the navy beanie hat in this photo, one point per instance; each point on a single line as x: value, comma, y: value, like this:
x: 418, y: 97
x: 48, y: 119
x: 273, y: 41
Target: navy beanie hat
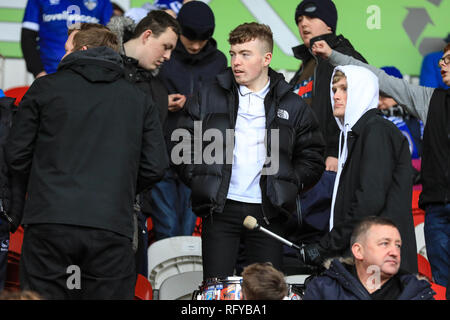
x: 196, y: 20
x: 325, y: 10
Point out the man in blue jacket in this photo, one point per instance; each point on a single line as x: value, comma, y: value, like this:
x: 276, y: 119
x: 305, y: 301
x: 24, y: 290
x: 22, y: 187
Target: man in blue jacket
x: 373, y: 273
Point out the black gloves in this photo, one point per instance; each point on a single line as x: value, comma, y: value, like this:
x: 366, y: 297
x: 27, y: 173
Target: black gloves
x: 312, y: 254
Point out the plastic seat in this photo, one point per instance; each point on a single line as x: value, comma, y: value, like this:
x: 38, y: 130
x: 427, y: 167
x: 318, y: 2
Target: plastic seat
x: 440, y: 291
x: 296, y: 278
x: 16, y: 92
x: 180, y: 286
x: 173, y: 256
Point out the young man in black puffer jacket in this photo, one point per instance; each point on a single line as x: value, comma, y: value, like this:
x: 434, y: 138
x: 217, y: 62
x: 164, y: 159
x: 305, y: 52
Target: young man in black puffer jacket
x: 249, y: 102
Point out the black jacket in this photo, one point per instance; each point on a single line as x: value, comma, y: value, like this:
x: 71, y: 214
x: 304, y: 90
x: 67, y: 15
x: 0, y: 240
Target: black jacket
x: 321, y: 103
x: 185, y: 73
x: 301, y: 162
x: 149, y: 84
x: 375, y: 181
x: 435, y: 169
x: 338, y: 283
x: 87, y: 141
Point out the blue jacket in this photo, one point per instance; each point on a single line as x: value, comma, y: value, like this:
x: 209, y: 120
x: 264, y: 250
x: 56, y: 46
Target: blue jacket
x: 430, y: 74
x: 337, y: 283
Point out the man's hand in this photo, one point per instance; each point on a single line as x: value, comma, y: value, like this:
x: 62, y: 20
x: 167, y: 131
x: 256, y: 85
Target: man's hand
x: 311, y: 254
x: 41, y: 74
x: 321, y: 49
x: 176, y: 102
x: 331, y: 164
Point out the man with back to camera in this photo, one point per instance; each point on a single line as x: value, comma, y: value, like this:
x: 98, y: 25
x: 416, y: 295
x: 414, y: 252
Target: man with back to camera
x: 84, y: 142
x: 316, y: 20
x: 251, y: 100
x: 431, y: 106
x: 373, y: 272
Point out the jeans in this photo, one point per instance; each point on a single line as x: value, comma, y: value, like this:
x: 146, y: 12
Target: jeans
x: 168, y: 204
x: 437, y: 236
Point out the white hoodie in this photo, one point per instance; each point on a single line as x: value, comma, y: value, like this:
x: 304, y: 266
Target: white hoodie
x: 362, y: 95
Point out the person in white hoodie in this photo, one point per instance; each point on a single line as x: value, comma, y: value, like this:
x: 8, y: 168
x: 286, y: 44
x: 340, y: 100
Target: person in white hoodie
x: 374, y: 175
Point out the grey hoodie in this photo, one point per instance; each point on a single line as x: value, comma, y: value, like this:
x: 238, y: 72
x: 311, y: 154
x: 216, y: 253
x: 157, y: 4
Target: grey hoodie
x: 416, y: 99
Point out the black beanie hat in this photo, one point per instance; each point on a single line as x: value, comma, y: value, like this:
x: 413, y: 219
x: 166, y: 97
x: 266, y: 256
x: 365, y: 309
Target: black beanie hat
x: 196, y: 20
x: 325, y: 10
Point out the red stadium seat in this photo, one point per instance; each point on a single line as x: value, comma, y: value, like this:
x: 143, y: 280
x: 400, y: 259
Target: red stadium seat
x: 424, y: 267
x: 440, y: 291
x: 16, y: 92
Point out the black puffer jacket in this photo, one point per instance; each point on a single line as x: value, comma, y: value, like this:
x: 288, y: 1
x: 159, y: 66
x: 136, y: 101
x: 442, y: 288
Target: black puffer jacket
x: 338, y: 283
x: 321, y: 103
x: 301, y: 162
x: 87, y: 141
x: 149, y: 84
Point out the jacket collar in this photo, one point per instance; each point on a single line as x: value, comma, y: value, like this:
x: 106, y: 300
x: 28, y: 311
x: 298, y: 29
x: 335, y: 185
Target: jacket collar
x: 137, y: 73
x: 361, y: 123
x: 279, y: 87
x: 302, y: 52
x: 100, y: 64
x: 181, y: 53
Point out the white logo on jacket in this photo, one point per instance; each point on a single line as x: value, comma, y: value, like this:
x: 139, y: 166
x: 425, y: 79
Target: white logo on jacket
x: 283, y: 114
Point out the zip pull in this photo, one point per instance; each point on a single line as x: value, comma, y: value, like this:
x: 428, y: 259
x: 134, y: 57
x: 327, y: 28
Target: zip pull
x: 264, y: 215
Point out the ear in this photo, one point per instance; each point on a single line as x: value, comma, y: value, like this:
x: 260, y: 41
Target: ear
x: 267, y: 58
x: 358, y: 251
x: 83, y: 48
x: 146, y: 35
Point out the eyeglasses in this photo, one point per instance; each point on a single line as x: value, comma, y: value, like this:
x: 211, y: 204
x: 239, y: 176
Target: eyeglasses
x: 445, y: 60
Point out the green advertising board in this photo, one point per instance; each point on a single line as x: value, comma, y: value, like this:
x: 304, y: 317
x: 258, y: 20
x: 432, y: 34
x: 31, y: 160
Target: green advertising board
x: 385, y: 32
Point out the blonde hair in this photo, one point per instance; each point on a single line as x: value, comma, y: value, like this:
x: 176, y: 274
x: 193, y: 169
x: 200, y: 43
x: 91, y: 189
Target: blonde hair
x: 338, y: 75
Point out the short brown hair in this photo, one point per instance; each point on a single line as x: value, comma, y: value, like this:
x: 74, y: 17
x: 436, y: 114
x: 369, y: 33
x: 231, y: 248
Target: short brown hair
x: 261, y: 281
x: 93, y: 35
x: 447, y: 47
x: 365, y: 224
x: 158, y: 21
x: 338, y: 75
x: 249, y: 31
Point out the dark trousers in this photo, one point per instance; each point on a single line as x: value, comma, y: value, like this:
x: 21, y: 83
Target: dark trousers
x: 4, y: 246
x: 72, y: 262
x: 223, y: 232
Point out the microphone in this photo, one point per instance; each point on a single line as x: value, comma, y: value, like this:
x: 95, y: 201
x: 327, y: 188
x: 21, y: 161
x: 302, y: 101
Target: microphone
x: 251, y: 224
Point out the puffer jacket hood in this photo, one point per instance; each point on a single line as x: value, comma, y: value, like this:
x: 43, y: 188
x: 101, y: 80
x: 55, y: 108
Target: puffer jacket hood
x: 100, y: 64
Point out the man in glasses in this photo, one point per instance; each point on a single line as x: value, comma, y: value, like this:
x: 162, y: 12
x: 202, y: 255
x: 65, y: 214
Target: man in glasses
x: 432, y: 106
